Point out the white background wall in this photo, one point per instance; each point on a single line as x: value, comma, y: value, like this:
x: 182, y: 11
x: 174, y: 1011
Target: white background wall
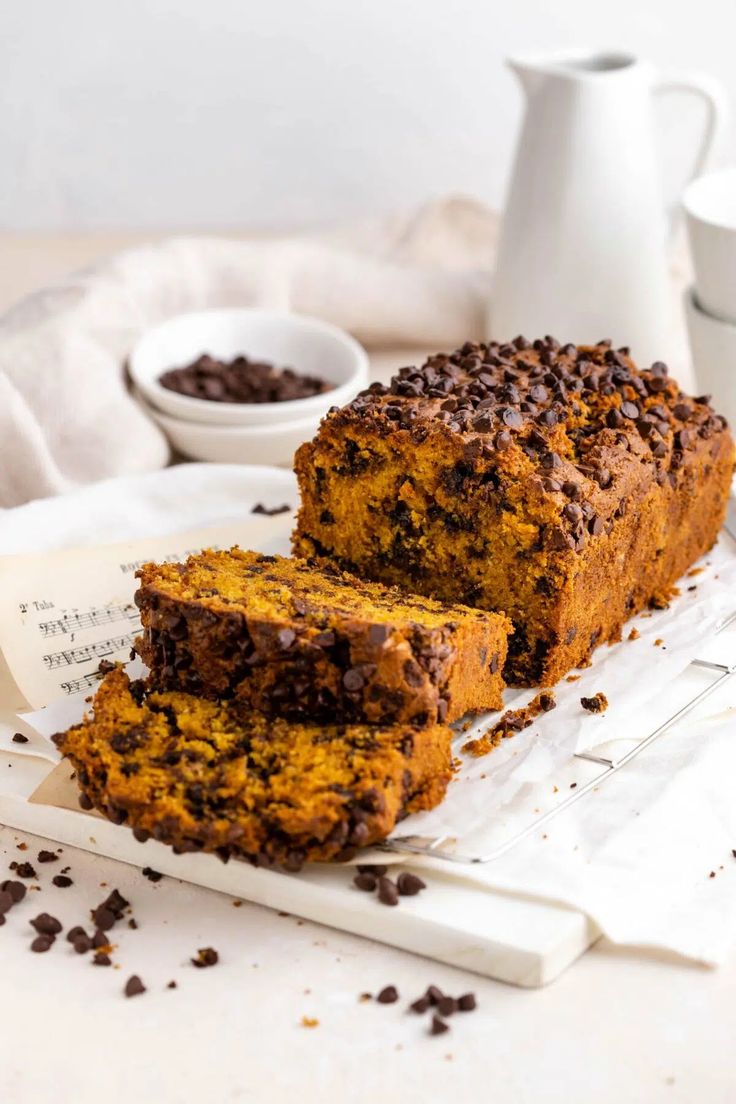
x: 281, y: 113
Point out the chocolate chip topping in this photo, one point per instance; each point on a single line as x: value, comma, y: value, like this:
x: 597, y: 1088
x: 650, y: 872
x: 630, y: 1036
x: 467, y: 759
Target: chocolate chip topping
x: 564, y: 407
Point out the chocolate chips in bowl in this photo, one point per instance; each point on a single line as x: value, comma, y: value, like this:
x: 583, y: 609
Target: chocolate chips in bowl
x: 245, y: 367
x: 241, y: 380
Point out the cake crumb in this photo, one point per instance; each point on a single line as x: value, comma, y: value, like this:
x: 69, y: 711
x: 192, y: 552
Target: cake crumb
x: 597, y: 704
x: 634, y: 634
x: 310, y: 1021
x: 513, y: 721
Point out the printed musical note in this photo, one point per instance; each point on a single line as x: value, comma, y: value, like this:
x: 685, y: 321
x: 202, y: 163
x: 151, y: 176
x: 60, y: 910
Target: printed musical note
x: 87, y: 652
x: 84, y: 682
x: 103, y: 615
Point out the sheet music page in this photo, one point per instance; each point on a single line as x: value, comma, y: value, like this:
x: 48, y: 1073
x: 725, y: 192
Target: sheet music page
x: 62, y: 612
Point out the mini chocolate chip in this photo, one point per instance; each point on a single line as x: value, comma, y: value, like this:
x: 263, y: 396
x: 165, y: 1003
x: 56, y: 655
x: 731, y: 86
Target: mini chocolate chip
x: 379, y: 633
x: 6, y: 902
x: 421, y: 1005
x: 134, y: 986
x: 388, y: 894
x: 47, y: 856
x: 82, y: 944
x: 409, y: 884
x: 19, y: 738
x: 511, y: 417
x: 286, y: 638
x: 62, y: 881
x: 100, y: 939
x: 366, y: 882
x: 572, y: 512
x: 438, y: 1026
x: 353, y: 679
x: 25, y: 870
x: 447, y: 1006
x: 151, y: 874
x: 270, y: 511
x: 46, y: 924
x: 42, y: 943
x: 103, y: 918
x: 206, y: 956
x: 466, y: 1003
x: 75, y: 933
x: 101, y: 959
x: 614, y: 418
x: 434, y: 994
x: 388, y: 995
x: 16, y: 890
x: 630, y: 410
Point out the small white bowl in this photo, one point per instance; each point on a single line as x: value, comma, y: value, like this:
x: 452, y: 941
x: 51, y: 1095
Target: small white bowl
x: 221, y: 444
x: 713, y: 345
x: 307, y: 345
x: 710, y: 207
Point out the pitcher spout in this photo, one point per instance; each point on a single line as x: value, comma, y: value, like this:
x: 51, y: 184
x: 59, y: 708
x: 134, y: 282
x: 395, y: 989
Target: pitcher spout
x: 533, y: 69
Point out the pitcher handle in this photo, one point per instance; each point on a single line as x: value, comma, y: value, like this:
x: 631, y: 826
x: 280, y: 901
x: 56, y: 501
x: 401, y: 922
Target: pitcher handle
x: 714, y: 94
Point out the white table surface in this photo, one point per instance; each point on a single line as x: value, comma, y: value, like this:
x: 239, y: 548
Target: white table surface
x: 619, y: 1026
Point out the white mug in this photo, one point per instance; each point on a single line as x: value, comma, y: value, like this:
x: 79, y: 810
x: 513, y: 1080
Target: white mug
x: 710, y: 207
x: 713, y: 345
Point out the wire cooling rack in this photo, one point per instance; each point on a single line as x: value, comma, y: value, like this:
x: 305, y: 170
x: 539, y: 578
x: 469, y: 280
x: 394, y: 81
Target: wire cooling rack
x: 445, y: 846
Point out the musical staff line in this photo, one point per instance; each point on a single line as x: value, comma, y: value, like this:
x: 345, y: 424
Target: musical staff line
x: 73, y: 622
x: 85, y: 653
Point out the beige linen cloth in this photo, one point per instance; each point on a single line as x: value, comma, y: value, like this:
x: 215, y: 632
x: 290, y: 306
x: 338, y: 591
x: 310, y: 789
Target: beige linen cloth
x: 66, y: 416
x: 402, y: 286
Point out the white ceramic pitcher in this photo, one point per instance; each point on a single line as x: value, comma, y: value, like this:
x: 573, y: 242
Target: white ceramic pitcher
x: 583, y: 248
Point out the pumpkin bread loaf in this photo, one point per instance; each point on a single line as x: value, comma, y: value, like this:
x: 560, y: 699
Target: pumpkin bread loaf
x: 195, y: 774
x: 303, y: 640
x: 560, y: 484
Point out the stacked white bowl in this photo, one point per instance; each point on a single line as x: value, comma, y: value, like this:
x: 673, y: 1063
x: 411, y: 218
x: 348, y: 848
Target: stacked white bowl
x: 710, y: 303
x: 245, y: 433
